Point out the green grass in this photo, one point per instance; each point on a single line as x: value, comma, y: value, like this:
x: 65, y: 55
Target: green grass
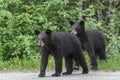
x: 112, y: 64
x: 17, y: 64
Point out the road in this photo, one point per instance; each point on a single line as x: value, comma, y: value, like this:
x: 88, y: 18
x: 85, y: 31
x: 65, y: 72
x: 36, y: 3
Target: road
x: 97, y: 75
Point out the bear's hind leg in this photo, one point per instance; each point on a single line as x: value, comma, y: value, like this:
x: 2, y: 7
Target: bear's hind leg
x: 58, y: 65
x: 79, y: 58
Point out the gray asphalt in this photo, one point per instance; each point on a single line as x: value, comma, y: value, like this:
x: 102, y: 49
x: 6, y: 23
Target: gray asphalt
x: 97, y: 75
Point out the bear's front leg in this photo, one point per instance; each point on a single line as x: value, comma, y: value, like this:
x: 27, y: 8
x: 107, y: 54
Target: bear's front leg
x: 44, y: 62
x: 90, y: 49
x: 58, y: 64
x: 69, y: 66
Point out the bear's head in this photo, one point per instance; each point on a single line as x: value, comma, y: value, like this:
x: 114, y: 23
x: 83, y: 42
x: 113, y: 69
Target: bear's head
x: 77, y: 27
x: 44, y: 37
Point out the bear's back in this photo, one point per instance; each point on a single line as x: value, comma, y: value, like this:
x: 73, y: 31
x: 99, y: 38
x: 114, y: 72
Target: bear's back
x: 69, y: 42
x: 97, y: 37
x: 66, y: 37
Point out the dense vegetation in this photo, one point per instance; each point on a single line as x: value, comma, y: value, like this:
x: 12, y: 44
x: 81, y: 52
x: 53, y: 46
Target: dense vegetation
x: 19, y: 19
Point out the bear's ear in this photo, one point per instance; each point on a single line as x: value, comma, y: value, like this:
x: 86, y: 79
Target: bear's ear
x: 71, y: 23
x: 48, y: 31
x: 82, y: 23
x: 36, y: 32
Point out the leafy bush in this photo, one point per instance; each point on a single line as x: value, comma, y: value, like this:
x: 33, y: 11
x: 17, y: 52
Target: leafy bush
x: 19, y: 19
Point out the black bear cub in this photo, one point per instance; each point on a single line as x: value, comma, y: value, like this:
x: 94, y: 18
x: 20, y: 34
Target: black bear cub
x: 60, y: 44
x: 92, y: 41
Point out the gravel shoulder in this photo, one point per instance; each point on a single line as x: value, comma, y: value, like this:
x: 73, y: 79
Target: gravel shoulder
x: 93, y: 75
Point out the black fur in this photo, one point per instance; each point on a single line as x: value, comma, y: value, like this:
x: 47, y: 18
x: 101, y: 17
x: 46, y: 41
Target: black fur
x: 60, y: 44
x: 92, y: 41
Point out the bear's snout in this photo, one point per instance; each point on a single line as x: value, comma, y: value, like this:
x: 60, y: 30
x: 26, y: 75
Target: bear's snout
x: 40, y: 43
x: 74, y: 32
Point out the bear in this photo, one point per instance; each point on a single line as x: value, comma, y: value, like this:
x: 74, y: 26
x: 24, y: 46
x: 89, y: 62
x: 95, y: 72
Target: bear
x: 91, y: 40
x: 60, y: 45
